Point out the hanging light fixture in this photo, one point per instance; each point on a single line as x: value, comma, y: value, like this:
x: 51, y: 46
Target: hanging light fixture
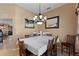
x: 40, y: 19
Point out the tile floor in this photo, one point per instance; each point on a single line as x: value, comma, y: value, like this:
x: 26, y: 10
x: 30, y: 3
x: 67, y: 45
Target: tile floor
x: 8, y: 47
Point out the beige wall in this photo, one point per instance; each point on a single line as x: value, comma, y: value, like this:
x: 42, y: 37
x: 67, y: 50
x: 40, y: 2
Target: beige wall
x: 67, y: 20
x: 17, y: 15
x: 8, y: 9
x: 20, y: 15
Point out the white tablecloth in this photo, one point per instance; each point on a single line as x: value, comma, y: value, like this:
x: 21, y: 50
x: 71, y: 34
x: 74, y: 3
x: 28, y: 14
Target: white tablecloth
x: 37, y: 45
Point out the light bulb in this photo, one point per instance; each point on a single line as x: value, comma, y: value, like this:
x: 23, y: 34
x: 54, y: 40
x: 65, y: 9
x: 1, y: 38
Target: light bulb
x: 45, y: 17
x: 40, y: 16
x: 33, y: 18
x: 42, y: 19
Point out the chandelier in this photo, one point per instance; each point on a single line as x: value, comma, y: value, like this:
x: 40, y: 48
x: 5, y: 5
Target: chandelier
x: 39, y: 19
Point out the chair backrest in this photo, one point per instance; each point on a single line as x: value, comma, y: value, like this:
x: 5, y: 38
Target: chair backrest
x: 55, y: 46
x: 49, y: 34
x: 55, y: 39
x: 52, y: 45
x: 21, y: 47
x: 50, y: 42
x: 49, y: 47
x: 71, y: 39
x: 26, y: 36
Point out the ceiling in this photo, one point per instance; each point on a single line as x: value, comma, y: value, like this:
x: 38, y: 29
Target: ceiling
x: 44, y: 7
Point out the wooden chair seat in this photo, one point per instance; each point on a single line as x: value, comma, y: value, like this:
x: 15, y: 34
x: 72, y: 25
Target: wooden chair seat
x: 66, y: 44
x: 77, y: 53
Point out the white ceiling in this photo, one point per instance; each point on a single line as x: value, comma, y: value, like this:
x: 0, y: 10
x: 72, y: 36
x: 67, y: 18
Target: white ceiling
x: 34, y: 7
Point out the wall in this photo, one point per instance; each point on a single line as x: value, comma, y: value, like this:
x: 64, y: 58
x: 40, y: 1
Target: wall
x: 21, y: 14
x: 6, y: 21
x: 7, y: 9
x: 67, y: 20
x: 17, y: 15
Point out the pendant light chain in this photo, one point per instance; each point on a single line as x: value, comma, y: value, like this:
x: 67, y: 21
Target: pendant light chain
x: 39, y: 9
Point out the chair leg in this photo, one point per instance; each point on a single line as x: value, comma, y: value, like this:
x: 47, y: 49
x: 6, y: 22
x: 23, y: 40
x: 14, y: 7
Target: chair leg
x: 49, y: 53
x: 61, y: 48
x: 20, y: 52
x: 54, y: 50
x: 73, y: 51
x: 69, y: 51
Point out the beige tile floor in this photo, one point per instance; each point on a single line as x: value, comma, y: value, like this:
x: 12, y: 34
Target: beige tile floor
x: 9, y: 47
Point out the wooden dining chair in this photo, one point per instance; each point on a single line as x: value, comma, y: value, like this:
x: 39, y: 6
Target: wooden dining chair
x: 55, y: 46
x: 22, y: 50
x: 52, y: 47
x: 49, y: 47
x: 69, y: 45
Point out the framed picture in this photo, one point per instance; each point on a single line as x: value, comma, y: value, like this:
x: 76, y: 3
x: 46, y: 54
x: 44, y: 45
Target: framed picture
x: 52, y: 22
x: 29, y: 23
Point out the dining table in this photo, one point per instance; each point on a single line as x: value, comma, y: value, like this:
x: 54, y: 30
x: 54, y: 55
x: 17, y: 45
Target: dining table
x: 37, y: 44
